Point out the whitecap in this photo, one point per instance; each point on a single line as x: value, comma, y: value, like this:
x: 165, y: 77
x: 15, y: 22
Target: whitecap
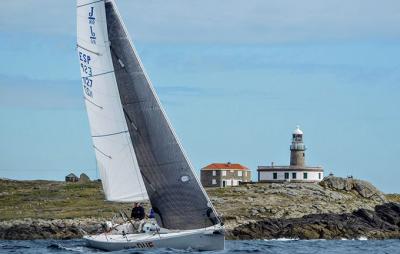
x: 282, y: 239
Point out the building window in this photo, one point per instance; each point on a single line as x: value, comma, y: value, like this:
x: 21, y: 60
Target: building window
x: 319, y: 175
x: 275, y: 176
x: 232, y: 171
x: 286, y: 175
x: 240, y: 173
x: 214, y: 182
x: 294, y: 175
x: 214, y: 173
x: 223, y: 172
x: 245, y: 173
x: 305, y: 175
x: 304, y: 154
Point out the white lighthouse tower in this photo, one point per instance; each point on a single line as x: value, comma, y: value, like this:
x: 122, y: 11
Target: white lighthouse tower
x: 297, y: 149
x: 297, y: 171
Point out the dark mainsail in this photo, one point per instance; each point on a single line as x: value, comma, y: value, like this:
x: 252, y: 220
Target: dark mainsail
x: 173, y: 189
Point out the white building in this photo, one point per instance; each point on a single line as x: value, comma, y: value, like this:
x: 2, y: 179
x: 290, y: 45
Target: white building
x: 297, y: 171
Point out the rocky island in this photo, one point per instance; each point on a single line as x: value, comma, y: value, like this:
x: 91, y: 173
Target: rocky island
x: 332, y: 209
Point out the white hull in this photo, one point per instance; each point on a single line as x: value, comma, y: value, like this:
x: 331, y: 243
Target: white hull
x: 199, y: 239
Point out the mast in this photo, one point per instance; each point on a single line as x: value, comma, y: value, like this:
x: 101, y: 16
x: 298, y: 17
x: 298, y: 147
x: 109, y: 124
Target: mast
x: 112, y: 144
x: 174, y: 190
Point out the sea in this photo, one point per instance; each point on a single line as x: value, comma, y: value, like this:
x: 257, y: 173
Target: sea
x: 281, y: 246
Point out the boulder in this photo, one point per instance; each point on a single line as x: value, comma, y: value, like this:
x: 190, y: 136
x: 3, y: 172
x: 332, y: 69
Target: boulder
x: 366, y: 189
x: 363, y: 188
x: 389, y: 212
x: 337, y: 183
x: 83, y: 178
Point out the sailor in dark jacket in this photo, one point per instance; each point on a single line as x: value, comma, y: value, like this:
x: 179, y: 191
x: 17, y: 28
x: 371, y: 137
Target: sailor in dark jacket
x: 137, y: 212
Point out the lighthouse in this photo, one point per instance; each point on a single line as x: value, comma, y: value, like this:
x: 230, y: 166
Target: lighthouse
x: 297, y: 149
x: 297, y: 171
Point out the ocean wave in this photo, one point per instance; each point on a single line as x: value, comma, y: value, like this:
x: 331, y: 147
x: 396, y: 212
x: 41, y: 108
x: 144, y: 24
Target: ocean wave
x: 12, y: 247
x: 282, y: 239
x: 56, y: 246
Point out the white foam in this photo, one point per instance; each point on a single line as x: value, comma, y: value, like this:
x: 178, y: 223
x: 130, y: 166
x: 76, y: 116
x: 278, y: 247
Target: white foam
x: 283, y: 239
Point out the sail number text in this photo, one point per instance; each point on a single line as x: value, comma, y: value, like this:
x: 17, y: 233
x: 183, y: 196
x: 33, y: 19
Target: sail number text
x: 87, y: 74
x: 145, y: 245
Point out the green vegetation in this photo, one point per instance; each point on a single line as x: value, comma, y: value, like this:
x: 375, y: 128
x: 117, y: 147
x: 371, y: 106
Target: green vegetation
x: 54, y: 200
x: 393, y: 197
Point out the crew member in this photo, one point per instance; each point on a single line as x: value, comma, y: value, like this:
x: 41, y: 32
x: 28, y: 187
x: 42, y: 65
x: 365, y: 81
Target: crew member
x: 151, y: 214
x: 137, y: 212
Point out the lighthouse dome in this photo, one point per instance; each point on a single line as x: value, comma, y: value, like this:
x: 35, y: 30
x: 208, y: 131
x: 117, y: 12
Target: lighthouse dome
x: 297, y: 131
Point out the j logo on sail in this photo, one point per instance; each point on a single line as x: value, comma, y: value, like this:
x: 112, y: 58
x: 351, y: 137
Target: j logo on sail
x: 92, y: 35
x: 92, y: 21
x: 91, y: 16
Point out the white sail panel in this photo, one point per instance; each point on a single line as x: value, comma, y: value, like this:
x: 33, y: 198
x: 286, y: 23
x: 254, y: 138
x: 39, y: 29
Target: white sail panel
x: 114, y: 152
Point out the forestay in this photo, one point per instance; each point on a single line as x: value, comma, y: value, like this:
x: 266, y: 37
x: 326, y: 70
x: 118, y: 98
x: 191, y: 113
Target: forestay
x: 174, y: 191
x: 115, y: 155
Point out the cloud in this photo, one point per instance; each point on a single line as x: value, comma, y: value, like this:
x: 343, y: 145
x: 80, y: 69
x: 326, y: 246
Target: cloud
x: 224, y: 21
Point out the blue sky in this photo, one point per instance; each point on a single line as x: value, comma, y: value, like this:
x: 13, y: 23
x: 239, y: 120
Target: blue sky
x: 235, y: 77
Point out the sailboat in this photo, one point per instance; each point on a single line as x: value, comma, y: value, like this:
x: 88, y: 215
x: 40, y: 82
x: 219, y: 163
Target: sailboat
x: 138, y: 154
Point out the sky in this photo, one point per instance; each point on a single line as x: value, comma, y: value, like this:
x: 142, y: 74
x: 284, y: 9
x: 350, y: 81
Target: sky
x: 235, y: 78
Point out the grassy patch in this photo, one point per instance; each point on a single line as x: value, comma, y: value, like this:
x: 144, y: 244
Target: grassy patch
x: 54, y: 200
x: 393, y: 197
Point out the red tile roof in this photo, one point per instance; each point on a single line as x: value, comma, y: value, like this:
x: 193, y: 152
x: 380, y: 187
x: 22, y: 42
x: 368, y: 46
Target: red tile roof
x: 220, y: 166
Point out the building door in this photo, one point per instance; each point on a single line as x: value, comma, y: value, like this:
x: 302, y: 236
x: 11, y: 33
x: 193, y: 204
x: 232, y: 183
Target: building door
x: 223, y: 183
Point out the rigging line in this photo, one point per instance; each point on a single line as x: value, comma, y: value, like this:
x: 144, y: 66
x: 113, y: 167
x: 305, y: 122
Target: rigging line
x: 122, y: 64
x: 128, y: 137
x: 95, y: 75
x: 111, y: 134
x: 108, y: 156
x: 96, y: 53
x: 138, y: 172
x: 130, y: 119
x: 92, y: 102
x: 89, y: 3
x: 118, y: 59
x: 103, y: 73
x: 113, y: 51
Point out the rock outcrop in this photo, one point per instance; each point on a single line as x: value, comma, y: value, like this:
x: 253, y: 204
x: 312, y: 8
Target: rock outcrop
x: 43, y: 229
x: 363, y: 188
x: 381, y: 223
x: 255, y: 202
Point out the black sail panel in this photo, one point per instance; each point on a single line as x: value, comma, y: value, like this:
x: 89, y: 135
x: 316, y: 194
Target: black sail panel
x: 174, y: 191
